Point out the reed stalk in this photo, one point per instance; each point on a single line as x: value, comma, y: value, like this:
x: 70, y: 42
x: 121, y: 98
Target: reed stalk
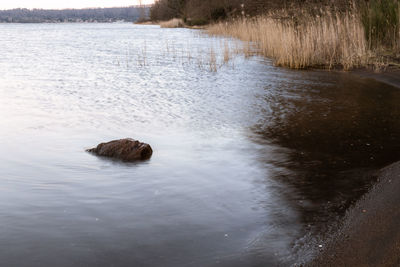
x: 328, y: 40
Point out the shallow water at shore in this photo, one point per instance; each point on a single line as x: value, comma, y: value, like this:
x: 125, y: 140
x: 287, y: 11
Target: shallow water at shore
x: 246, y: 161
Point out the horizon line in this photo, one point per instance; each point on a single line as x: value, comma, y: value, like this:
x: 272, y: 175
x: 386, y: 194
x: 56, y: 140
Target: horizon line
x: 74, y: 8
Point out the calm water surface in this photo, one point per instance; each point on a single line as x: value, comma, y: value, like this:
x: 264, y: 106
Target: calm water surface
x: 250, y: 163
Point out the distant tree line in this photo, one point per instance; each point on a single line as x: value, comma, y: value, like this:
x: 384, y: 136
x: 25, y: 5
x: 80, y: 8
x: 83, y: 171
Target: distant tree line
x: 205, y: 11
x: 129, y: 14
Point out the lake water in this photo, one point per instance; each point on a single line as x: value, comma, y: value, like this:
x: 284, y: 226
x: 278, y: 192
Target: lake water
x: 251, y: 162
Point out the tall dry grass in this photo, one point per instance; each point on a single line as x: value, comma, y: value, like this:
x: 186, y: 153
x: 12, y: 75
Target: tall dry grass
x: 381, y: 19
x: 328, y: 40
x: 173, y: 23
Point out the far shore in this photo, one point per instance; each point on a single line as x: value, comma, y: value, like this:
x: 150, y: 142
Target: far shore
x: 174, y: 23
x: 147, y: 22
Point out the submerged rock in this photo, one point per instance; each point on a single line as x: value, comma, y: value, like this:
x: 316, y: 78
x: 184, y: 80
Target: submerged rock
x: 123, y: 149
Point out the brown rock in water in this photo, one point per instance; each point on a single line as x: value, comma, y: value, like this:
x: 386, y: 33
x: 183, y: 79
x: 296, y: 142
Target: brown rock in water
x: 123, y: 149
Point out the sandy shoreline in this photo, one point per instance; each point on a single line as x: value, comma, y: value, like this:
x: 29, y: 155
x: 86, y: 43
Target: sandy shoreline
x: 369, y: 234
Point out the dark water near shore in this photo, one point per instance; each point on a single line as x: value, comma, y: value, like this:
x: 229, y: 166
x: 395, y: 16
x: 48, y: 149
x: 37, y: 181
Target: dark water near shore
x: 247, y: 160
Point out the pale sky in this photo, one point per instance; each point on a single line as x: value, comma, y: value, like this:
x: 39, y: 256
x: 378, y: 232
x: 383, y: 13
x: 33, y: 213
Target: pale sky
x: 57, y: 4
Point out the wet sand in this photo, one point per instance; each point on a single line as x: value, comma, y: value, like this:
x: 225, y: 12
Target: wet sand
x: 370, y: 233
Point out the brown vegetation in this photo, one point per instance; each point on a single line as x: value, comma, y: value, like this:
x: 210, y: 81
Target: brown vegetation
x: 173, y: 23
x: 366, y: 35
x: 301, y: 33
x: 328, y: 40
x: 200, y: 12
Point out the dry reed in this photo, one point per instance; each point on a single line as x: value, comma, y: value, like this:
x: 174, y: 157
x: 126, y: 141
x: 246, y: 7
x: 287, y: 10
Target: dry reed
x: 213, y: 60
x: 322, y: 41
x: 173, y: 23
x: 227, y: 53
x: 211, y: 56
